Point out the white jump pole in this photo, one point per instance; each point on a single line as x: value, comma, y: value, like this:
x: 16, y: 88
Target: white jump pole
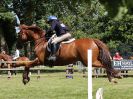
x: 89, y: 74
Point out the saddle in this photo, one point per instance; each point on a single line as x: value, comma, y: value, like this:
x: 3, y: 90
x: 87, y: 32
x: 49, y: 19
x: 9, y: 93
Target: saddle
x: 58, y: 45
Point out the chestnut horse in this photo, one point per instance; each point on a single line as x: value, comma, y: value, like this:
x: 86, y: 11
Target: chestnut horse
x: 67, y: 53
x: 21, y: 61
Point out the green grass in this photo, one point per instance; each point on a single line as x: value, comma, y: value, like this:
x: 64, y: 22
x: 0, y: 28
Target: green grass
x: 122, y: 90
x: 49, y: 86
x: 54, y: 85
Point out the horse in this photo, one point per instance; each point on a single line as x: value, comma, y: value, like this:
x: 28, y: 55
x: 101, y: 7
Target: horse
x: 20, y: 61
x: 5, y: 57
x: 67, y: 53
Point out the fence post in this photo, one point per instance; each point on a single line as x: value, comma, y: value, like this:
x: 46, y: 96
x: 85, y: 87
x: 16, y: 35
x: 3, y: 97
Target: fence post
x: 89, y: 74
x: 9, y: 72
x: 69, y: 71
x: 38, y: 73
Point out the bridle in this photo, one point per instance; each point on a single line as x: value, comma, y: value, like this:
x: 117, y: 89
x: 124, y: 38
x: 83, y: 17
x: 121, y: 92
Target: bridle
x: 41, y: 39
x: 38, y: 41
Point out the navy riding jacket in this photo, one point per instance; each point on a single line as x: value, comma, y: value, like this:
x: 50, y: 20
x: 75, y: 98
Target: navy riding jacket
x: 59, y: 28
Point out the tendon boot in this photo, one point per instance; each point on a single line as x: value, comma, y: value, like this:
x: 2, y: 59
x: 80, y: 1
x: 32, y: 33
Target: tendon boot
x: 52, y: 57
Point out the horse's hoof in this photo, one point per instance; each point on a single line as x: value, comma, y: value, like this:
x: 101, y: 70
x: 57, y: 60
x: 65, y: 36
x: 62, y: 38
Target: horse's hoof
x: 25, y: 81
x: 114, y: 81
x: 8, y: 77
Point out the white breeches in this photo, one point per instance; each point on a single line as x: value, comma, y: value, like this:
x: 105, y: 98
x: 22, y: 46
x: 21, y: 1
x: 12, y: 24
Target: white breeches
x: 61, y: 38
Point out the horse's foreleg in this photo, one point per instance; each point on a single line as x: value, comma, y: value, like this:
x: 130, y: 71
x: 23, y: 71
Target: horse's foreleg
x: 26, y: 78
x: 28, y: 65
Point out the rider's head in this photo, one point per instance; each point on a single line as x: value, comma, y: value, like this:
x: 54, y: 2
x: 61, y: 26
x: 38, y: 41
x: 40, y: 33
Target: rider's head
x: 51, y: 18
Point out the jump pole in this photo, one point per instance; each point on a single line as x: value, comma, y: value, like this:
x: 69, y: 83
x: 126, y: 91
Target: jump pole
x: 89, y: 74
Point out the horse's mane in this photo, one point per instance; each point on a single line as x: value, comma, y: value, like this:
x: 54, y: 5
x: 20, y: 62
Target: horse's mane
x: 33, y: 28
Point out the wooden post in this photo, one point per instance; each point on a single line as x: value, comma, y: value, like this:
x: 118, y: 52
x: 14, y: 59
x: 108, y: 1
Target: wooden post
x: 9, y: 72
x: 84, y: 74
x: 38, y: 73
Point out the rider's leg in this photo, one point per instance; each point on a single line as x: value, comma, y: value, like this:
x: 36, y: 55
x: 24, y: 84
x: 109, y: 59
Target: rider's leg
x: 53, y: 52
x: 61, y: 38
x: 54, y: 48
x: 55, y: 41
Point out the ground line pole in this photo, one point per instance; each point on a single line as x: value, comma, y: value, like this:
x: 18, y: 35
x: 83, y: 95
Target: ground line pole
x: 89, y: 74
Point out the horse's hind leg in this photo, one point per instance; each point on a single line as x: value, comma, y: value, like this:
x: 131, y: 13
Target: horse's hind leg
x: 109, y: 72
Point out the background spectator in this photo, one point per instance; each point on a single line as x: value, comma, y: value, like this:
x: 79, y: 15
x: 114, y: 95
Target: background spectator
x: 16, y: 54
x: 117, y: 56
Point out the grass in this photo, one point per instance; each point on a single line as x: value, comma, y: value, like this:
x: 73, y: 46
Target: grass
x: 122, y: 90
x: 49, y: 86
x: 54, y: 85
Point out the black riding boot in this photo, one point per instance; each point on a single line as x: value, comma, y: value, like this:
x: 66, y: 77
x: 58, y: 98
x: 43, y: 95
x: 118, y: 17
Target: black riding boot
x: 52, y: 57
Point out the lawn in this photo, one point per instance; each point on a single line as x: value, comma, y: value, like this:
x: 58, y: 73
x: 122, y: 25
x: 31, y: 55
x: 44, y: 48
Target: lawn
x: 49, y: 86
x: 54, y: 85
x: 122, y: 90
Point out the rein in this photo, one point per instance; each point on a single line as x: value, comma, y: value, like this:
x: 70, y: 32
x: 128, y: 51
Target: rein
x: 40, y: 40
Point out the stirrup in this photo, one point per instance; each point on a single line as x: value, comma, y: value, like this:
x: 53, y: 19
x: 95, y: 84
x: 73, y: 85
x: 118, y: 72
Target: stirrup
x: 52, y: 58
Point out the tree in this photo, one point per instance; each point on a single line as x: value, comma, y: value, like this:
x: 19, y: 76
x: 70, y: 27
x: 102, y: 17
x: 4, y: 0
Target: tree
x: 107, y: 20
x: 7, y: 26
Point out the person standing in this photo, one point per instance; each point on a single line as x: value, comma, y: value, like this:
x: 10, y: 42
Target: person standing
x: 117, y: 57
x: 16, y: 55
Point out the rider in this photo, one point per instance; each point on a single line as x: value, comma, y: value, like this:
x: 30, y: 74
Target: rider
x: 61, y: 32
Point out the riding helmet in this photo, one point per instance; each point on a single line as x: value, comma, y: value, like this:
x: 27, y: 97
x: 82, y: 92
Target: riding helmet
x: 51, y: 18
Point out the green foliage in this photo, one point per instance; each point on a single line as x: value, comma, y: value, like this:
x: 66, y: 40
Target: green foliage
x: 116, y: 34
x: 7, y: 26
x: 42, y: 24
x: 107, y: 20
x: 6, y: 17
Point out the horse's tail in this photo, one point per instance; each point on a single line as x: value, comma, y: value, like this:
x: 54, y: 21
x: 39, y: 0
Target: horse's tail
x: 105, y: 58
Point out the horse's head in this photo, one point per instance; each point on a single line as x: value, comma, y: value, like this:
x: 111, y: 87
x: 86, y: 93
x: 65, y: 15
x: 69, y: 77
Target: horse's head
x: 23, y: 34
x: 29, y: 33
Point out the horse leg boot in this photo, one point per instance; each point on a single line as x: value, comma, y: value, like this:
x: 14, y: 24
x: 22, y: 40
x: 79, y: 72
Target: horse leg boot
x: 52, y: 57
